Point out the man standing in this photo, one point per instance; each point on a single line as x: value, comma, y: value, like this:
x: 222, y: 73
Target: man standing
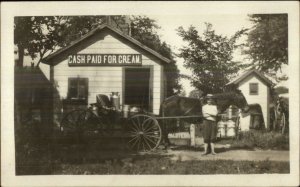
x: 209, y: 112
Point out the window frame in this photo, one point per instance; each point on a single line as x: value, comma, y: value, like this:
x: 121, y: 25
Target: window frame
x: 251, y: 86
x: 79, y: 81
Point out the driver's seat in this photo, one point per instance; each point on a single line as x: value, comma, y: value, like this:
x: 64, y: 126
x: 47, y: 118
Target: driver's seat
x: 103, y: 101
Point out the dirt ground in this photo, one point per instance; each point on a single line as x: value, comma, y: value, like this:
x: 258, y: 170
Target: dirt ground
x: 117, y: 150
x: 227, y: 154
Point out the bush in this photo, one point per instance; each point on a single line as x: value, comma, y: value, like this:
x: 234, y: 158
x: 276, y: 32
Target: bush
x: 262, y: 140
x: 32, y: 153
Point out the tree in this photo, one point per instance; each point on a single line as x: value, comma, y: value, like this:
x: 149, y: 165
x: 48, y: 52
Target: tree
x: 36, y: 36
x: 22, y: 36
x: 267, y: 43
x: 39, y: 36
x: 144, y: 30
x: 209, y: 57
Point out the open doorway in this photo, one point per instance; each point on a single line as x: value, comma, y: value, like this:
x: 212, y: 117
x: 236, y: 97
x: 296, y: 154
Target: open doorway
x: 137, y: 88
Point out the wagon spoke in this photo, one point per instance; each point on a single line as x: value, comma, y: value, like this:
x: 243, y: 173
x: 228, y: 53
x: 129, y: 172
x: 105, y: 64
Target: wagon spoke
x: 149, y: 129
x: 74, y: 117
x: 150, y: 124
x: 69, y: 124
x: 135, y: 141
x: 138, y: 119
x: 133, y: 132
x: 152, y: 132
x: 134, y: 128
x: 157, y: 137
x: 144, y: 120
x: 138, y: 145
x: 143, y: 143
x: 150, y: 148
x: 135, y: 125
x: 150, y: 139
x: 135, y: 137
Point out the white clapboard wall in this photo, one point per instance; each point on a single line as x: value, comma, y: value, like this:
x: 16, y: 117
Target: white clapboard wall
x: 263, y: 97
x: 104, y: 80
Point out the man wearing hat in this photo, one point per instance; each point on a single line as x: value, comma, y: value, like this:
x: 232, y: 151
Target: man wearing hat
x: 209, y: 112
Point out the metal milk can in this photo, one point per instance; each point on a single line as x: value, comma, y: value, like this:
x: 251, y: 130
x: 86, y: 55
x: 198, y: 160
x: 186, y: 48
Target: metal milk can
x: 115, y: 100
x: 126, y: 109
x: 230, y: 128
x: 221, y: 128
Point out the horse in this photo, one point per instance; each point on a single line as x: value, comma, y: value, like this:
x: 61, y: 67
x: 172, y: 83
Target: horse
x: 183, y: 106
x: 257, y: 120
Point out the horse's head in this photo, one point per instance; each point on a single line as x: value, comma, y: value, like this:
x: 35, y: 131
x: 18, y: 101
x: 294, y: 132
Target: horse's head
x: 240, y: 101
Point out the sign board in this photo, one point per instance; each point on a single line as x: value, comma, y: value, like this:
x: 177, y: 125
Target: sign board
x: 105, y: 60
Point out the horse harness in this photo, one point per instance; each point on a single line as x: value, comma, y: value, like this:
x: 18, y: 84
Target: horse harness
x: 190, y: 108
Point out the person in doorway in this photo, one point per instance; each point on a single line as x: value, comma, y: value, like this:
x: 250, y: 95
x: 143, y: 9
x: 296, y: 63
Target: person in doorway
x: 210, y: 113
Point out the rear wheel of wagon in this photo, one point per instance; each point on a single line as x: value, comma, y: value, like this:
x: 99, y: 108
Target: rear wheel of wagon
x: 144, y: 132
x: 69, y: 126
x: 90, y: 125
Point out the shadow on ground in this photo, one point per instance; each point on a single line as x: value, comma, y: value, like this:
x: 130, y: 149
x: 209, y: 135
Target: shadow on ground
x: 218, y: 149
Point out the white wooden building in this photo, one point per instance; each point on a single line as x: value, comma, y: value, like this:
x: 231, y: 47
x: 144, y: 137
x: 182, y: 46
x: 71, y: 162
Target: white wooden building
x: 256, y: 89
x: 106, y: 60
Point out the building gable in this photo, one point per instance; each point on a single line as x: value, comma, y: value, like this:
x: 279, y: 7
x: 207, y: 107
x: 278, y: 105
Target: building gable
x: 99, y: 34
x: 252, y: 73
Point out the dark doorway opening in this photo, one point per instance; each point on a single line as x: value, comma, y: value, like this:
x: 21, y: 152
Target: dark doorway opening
x: 137, y: 89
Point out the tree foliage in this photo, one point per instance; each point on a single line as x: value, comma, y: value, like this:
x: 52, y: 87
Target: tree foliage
x: 209, y: 57
x: 144, y: 29
x: 267, y: 44
x: 39, y: 36
x: 36, y: 36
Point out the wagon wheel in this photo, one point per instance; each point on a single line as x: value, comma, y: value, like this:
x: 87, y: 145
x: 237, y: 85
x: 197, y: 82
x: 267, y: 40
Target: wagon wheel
x: 69, y: 124
x: 145, y: 133
x: 90, y: 124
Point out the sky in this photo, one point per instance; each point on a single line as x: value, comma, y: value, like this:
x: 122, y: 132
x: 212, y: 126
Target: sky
x: 225, y: 25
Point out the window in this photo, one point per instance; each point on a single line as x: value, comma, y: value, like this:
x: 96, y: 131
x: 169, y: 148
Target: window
x: 253, y: 88
x: 78, y: 89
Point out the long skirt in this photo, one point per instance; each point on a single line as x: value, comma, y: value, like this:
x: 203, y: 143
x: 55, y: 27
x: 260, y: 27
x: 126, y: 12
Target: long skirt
x: 209, y: 131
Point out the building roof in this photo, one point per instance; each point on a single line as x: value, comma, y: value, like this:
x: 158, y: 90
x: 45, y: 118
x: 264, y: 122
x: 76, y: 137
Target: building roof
x: 244, y: 75
x: 48, y: 59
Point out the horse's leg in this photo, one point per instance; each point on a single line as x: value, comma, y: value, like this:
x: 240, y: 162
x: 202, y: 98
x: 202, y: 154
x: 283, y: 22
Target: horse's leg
x: 165, y: 140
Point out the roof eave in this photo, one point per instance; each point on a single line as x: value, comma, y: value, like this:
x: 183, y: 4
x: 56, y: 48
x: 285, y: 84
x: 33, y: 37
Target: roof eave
x: 240, y: 79
x: 47, y: 60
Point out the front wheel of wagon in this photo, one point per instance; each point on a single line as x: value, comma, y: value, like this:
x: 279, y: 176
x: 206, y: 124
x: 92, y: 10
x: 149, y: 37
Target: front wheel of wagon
x: 144, y: 133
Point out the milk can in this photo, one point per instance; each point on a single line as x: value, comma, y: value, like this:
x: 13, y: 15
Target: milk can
x: 230, y: 111
x: 230, y: 128
x: 126, y: 111
x: 115, y: 100
x: 221, y: 128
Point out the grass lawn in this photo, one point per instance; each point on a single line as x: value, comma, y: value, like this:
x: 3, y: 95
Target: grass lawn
x: 144, y: 166
x: 258, y: 139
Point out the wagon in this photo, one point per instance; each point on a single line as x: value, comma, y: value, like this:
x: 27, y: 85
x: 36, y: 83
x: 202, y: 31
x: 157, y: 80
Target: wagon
x: 101, y: 119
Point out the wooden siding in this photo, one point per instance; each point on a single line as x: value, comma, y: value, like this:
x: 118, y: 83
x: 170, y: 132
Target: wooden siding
x: 104, y: 80
x: 262, y: 98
